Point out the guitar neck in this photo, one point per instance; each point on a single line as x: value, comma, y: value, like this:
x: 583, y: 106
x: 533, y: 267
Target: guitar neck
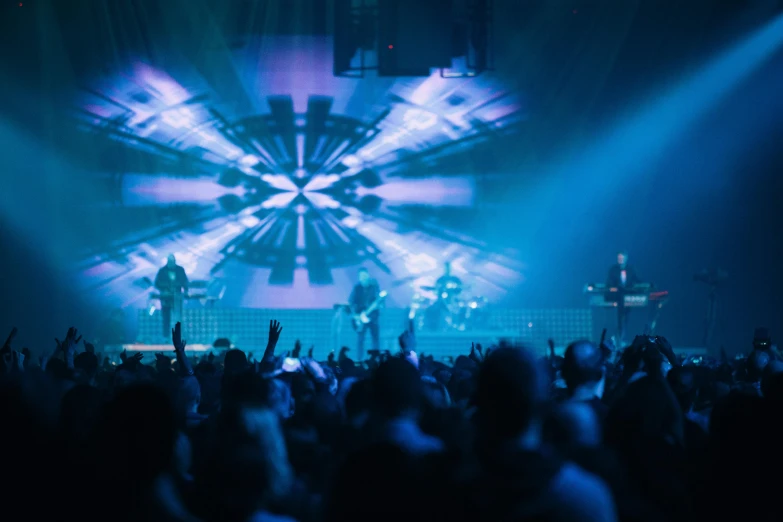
x: 373, y: 306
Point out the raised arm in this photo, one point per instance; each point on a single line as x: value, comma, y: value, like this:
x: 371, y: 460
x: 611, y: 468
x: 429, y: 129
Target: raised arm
x: 183, y: 364
x: 274, y: 335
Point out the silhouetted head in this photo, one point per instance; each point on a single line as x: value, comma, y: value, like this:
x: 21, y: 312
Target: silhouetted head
x: 245, y: 389
x: 171, y: 261
x: 761, y: 339
x: 235, y: 361
x: 382, y: 478
x: 358, y: 399
x: 435, y: 393
x: 583, y: 364
x: 772, y: 382
x: 140, y: 420
x: 87, y: 363
x: 622, y: 258
x: 757, y: 362
x: 281, y: 400
x: 252, y: 468
x: 510, y: 393
x: 682, y: 381
x: 79, y: 411
x: 648, y: 411
x: 188, y: 395
x: 573, y: 425
x: 396, y: 388
x: 364, y: 276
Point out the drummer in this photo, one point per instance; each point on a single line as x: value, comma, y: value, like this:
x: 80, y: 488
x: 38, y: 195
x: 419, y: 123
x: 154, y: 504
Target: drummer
x: 447, y: 286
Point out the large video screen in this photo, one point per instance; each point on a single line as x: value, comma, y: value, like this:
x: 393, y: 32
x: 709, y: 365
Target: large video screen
x: 272, y: 182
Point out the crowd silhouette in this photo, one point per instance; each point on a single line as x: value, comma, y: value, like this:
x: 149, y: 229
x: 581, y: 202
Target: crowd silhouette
x: 599, y: 434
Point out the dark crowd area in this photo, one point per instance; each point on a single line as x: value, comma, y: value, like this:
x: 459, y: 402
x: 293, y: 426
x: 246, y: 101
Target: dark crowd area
x: 601, y: 433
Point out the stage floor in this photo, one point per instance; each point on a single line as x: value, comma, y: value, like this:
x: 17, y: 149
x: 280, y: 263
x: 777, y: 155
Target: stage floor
x: 442, y: 346
x: 327, y: 330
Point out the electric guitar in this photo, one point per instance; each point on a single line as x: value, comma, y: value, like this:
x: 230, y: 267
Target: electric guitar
x: 361, y: 320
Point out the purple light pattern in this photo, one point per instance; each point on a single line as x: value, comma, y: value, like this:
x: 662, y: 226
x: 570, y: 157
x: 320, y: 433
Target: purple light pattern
x: 148, y: 108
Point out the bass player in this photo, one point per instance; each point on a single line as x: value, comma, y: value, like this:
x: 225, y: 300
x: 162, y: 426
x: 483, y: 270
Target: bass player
x: 365, y: 302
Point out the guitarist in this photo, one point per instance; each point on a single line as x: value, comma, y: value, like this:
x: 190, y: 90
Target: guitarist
x: 364, y: 293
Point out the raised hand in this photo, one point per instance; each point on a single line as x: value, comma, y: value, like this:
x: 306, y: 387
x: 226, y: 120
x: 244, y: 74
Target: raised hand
x: 68, y: 345
x: 297, y: 349
x: 313, y: 369
x: 407, y: 339
x: 408, y: 344
x: 13, y: 362
x: 607, y: 343
x: 274, y: 331
x: 639, y: 341
x: 177, y: 340
x: 474, y: 353
x: 274, y: 335
x: 412, y: 358
x: 72, y: 338
x: 179, y: 347
x: 131, y: 361
x: 632, y: 358
x: 8, y: 355
x: 310, y: 352
x: 667, y: 350
x: 9, y: 340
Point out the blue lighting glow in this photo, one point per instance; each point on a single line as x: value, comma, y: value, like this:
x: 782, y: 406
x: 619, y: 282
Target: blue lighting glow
x: 281, y: 196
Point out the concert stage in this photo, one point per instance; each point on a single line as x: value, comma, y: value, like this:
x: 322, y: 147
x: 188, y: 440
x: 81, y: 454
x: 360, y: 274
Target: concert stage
x: 328, y: 330
x: 441, y: 345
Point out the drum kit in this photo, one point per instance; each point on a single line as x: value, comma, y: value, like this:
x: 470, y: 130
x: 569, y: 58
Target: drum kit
x: 448, y: 307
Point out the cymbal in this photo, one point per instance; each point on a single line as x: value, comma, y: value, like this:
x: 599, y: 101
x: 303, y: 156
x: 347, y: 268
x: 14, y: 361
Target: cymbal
x: 403, y: 281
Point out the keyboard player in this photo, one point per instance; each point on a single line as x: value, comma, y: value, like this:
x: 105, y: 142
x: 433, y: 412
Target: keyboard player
x: 623, y: 278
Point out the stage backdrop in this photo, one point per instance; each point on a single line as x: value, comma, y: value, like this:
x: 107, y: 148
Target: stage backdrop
x: 133, y: 130
x: 274, y: 188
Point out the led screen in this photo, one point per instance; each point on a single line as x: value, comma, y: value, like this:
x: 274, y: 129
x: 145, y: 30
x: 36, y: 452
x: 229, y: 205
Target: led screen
x: 272, y: 181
